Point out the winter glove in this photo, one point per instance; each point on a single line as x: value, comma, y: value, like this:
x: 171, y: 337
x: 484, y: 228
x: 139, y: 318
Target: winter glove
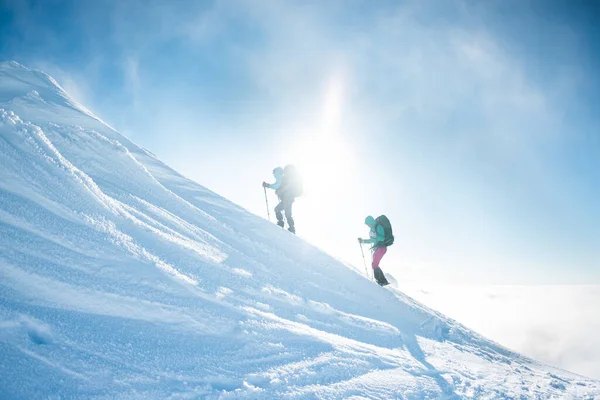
x: 265, y: 184
x: 360, y: 240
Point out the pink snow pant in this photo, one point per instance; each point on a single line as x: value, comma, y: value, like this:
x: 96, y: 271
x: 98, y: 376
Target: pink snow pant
x: 378, y: 255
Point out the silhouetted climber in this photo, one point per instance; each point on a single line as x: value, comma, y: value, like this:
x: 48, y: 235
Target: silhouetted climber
x: 288, y: 186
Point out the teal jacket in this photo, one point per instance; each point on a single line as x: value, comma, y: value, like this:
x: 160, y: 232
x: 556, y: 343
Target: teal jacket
x: 377, y: 234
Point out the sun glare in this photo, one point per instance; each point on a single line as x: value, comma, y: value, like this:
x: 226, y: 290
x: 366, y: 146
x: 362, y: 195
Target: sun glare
x: 324, y: 157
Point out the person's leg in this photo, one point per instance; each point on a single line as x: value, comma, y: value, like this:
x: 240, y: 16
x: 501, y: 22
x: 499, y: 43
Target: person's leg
x: 378, y: 255
x: 288, y: 215
x: 377, y: 272
x: 278, y: 209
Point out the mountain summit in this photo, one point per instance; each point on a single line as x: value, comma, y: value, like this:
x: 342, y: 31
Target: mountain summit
x: 120, y: 278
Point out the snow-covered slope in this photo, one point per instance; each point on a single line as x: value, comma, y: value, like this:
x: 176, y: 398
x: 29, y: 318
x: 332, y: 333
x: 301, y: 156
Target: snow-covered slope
x: 122, y: 279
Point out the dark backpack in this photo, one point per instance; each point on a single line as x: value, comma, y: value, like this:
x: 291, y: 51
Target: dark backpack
x: 387, y: 229
x: 293, y: 181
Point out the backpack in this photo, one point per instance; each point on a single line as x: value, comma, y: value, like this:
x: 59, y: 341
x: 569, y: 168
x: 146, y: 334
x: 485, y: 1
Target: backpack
x: 387, y: 229
x: 293, y: 181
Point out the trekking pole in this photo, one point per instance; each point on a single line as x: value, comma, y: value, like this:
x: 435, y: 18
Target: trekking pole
x: 267, y: 202
x: 364, y: 261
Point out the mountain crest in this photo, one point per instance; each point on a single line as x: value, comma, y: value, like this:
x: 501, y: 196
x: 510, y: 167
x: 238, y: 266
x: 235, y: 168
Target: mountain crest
x: 30, y: 91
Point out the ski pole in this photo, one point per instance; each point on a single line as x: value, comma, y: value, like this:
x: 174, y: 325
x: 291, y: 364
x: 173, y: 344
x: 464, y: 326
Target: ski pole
x: 267, y: 202
x: 364, y: 261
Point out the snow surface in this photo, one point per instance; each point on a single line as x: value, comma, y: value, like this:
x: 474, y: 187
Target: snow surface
x: 120, y: 278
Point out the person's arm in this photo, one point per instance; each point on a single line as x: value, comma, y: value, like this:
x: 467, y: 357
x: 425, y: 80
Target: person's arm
x: 379, y: 237
x: 275, y: 185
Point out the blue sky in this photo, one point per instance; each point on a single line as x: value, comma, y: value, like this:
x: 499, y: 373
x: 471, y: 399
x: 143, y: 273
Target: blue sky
x: 473, y: 125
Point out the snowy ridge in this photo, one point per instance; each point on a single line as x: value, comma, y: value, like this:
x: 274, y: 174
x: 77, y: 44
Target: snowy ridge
x: 121, y: 278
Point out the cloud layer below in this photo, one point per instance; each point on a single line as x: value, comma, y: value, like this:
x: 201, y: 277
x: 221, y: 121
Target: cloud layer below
x: 557, y: 325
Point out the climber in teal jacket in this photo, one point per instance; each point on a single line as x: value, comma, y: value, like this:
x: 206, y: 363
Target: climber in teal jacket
x: 377, y: 238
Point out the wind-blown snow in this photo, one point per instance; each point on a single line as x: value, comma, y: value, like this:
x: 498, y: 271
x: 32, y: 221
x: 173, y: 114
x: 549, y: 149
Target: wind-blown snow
x: 122, y: 279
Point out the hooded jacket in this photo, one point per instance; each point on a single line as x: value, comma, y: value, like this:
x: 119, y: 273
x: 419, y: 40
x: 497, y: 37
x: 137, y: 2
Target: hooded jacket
x: 377, y: 233
x: 278, y: 174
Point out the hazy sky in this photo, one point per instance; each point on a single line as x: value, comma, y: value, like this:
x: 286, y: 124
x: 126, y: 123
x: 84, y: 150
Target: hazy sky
x: 474, y: 126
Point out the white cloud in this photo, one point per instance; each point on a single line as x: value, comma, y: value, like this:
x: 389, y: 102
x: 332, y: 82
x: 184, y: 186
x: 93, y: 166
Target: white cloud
x: 556, y: 325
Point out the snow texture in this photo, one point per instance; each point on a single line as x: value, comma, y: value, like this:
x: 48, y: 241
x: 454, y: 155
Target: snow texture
x: 120, y: 278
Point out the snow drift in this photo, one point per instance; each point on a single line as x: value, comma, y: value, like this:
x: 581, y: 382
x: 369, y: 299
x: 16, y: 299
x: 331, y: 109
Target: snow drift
x: 120, y: 278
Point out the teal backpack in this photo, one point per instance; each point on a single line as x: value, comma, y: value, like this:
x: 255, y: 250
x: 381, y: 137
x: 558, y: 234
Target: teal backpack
x: 387, y: 229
